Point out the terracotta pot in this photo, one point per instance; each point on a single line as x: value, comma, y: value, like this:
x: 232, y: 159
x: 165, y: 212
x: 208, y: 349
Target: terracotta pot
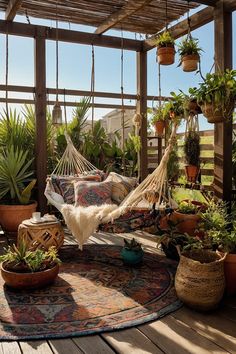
x: 11, y: 216
x: 191, y: 173
x: 184, y: 222
x: 29, y: 280
x: 230, y: 273
x: 159, y: 128
x: 190, y: 62
x: 166, y: 55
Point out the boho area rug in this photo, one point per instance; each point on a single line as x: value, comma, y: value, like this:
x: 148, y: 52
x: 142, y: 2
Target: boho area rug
x: 93, y: 293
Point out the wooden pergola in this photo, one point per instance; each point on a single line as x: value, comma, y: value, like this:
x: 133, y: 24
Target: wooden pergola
x: 143, y: 16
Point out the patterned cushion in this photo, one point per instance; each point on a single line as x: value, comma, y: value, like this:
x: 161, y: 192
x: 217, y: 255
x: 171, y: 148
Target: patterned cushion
x: 121, y: 186
x: 65, y: 185
x: 92, y: 193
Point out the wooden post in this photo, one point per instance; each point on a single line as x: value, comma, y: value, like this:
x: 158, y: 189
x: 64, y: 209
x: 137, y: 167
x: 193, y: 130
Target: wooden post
x: 40, y: 112
x: 142, y: 109
x: 223, y: 131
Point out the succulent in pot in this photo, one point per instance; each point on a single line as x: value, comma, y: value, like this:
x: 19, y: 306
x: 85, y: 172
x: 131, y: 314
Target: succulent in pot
x: 192, y: 155
x: 216, y: 95
x: 23, y: 268
x: 165, y: 48
x: 132, y: 252
x: 16, y: 186
x: 189, y: 52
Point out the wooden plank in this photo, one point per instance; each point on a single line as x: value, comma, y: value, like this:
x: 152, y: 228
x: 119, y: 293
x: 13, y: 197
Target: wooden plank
x: 210, y: 326
x: 9, y: 348
x: 33, y: 347
x: 142, y: 109
x: 40, y: 124
x: 197, y: 20
x: 223, y: 131
x: 131, y: 341
x: 26, y: 30
x: 12, y: 7
x: 205, y: 2
x: 67, y: 346
x: 173, y: 336
x: 93, y: 345
x: 128, y: 9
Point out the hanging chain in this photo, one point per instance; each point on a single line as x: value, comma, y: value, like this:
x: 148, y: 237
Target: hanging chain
x: 122, y: 98
x: 57, y: 64
x: 166, y: 14
x: 189, y: 22
x: 93, y: 84
x: 7, y: 60
x: 27, y: 17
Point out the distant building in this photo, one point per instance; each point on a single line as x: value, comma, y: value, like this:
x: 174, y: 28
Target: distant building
x: 112, y: 122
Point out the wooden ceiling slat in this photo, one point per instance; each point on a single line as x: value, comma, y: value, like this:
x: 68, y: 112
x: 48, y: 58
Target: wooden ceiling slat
x: 12, y: 7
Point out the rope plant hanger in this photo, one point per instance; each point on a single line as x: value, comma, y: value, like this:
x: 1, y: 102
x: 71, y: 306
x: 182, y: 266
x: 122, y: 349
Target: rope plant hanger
x: 122, y: 100
x: 92, y: 84
x: 6, y: 74
x: 57, y: 112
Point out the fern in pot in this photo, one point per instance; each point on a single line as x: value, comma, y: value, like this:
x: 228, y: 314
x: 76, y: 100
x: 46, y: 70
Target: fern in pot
x: 189, y: 52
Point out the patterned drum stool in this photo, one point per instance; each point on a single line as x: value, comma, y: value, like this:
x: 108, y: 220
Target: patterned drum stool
x: 41, y: 235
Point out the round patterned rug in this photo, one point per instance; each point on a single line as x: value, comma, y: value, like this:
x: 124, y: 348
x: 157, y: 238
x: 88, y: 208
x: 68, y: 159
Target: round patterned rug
x: 93, y: 293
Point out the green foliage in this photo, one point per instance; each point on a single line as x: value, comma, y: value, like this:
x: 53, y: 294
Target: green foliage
x: 189, y: 46
x: 165, y: 40
x: 187, y: 207
x: 192, y: 148
x: 132, y: 245
x: 219, y: 89
x: 21, y: 259
x: 15, y: 173
x: 159, y: 114
x: 173, y: 165
x: 174, y: 108
x: 215, y: 217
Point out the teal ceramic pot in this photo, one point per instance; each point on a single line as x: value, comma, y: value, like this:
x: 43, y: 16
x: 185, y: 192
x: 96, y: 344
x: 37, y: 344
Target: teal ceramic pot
x: 131, y: 257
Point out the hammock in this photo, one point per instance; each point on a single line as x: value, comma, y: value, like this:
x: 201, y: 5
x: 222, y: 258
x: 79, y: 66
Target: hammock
x: 83, y: 221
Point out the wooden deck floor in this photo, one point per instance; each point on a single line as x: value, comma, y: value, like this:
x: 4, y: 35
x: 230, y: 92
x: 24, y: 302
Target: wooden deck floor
x: 183, y: 331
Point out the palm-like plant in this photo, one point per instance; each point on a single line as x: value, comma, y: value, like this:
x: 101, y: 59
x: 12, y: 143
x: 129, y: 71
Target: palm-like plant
x: 14, y: 174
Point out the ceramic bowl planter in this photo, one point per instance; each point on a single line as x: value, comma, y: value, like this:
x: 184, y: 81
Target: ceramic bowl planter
x: 200, y: 280
x: 190, y: 62
x: 32, y: 280
x: 166, y: 55
x: 132, y: 252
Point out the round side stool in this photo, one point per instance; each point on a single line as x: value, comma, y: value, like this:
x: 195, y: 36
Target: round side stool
x: 41, y: 235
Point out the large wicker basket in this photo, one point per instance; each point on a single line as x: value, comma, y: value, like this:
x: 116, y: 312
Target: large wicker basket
x: 200, y: 280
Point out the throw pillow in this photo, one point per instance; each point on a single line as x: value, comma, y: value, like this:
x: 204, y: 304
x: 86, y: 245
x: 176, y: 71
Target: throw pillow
x: 121, y: 186
x: 92, y: 193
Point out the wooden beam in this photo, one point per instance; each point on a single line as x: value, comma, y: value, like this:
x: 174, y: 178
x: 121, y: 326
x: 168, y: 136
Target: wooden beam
x: 197, y: 20
x: 142, y: 109
x: 26, y: 30
x: 223, y: 131
x: 230, y: 5
x: 205, y: 2
x: 40, y: 113
x: 12, y: 7
x: 131, y: 7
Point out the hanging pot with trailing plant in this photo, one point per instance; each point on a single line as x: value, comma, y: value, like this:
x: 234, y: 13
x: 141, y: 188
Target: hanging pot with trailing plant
x: 189, y: 52
x: 165, y: 49
x: 159, y: 121
x: 216, y: 96
x: 192, y: 155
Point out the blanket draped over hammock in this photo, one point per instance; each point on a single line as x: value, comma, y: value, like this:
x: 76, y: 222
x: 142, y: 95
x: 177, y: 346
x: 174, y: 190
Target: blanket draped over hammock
x: 83, y: 221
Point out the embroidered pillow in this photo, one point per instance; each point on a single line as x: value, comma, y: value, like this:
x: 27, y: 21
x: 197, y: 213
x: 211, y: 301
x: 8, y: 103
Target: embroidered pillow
x: 121, y: 186
x: 92, y: 193
x: 65, y: 185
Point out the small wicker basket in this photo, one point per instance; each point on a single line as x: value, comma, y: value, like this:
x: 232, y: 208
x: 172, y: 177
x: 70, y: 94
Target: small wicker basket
x: 200, y: 280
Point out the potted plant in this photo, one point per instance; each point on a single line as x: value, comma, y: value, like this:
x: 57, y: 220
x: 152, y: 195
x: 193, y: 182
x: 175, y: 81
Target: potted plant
x: 159, y: 120
x: 190, y: 105
x: 189, y: 52
x: 216, y: 96
x: 15, y: 188
x: 192, y: 155
x: 165, y: 48
x: 26, y: 269
x: 174, y: 107
x: 132, y: 252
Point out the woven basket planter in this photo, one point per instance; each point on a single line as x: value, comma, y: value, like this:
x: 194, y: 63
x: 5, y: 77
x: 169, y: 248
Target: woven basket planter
x: 200, y: 280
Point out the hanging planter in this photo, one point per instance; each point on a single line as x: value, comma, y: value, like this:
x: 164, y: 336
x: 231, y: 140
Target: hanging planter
x: 216, y: 96
x: 159, y: 120
x: 165, y: 49
x: 192, y: 155
x: 190, y: 54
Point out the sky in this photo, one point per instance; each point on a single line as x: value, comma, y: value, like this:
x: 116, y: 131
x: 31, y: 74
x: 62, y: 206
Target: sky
x: 75, y: 65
